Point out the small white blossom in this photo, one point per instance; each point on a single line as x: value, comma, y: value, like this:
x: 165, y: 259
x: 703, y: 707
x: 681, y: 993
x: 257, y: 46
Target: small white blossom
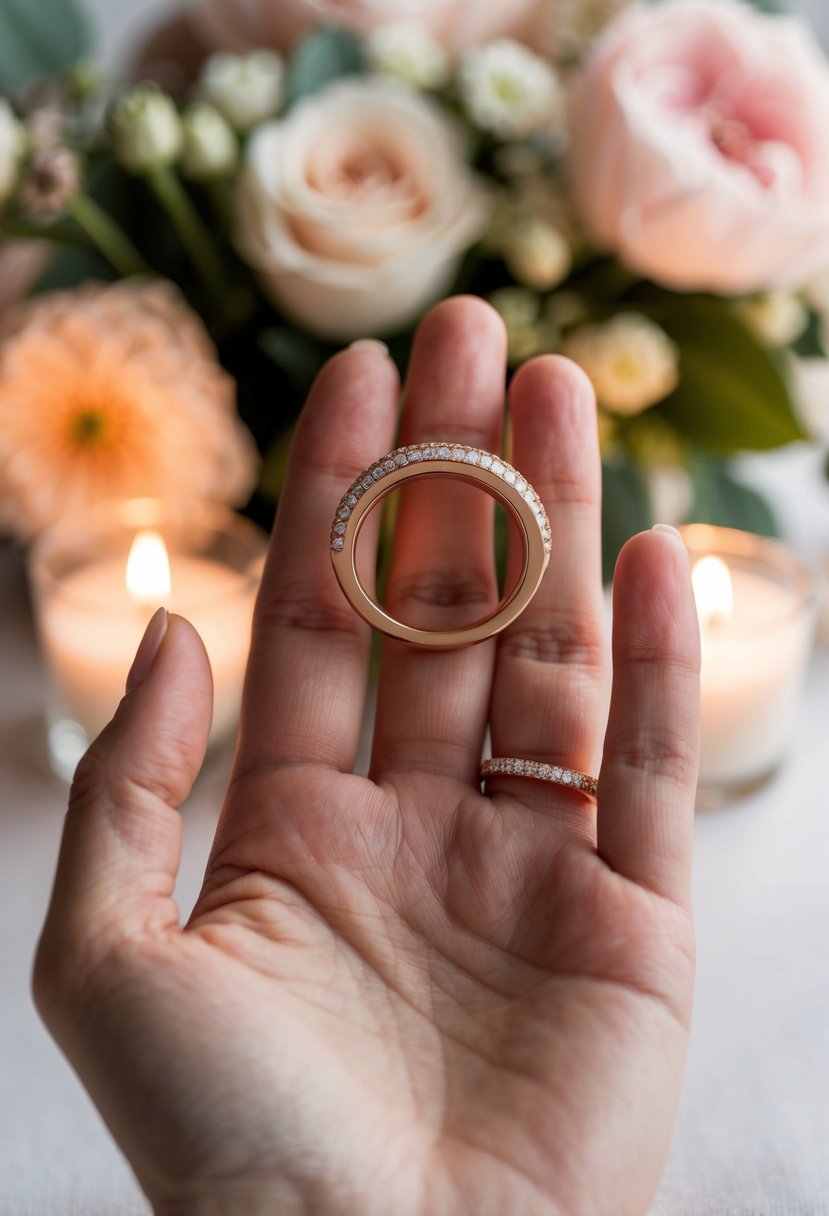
x: 409, y: 52
x: 146, y: 129
x: 246, y: 89
x: 12, y: 144
x: 211, y: 148
x: 777, y: 317
x: 538, y: 255
x: 508, y: 90
x: 630, y: 359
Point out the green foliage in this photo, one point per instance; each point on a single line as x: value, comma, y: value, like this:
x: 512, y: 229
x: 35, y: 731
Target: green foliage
x: 296, y: 354
x: 733, y: 394
x: 626, y: 509
x: 720, y: 499
x: 40, y: 38
x: 770, y: 6
x: 323, y: 56
x: 810, y: 343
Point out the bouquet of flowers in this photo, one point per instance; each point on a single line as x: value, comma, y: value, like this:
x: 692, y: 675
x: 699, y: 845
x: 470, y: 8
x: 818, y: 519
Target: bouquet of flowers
x: 641, y: 187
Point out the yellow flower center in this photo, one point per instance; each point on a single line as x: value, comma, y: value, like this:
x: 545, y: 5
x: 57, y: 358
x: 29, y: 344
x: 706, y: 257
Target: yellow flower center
x: 88, y: 428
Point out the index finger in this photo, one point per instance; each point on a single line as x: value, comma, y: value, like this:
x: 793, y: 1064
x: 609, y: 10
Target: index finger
x: 308, y: 667
x: 649, y: 772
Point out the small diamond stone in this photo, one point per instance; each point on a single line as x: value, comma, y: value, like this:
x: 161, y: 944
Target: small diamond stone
x: 509, y: 476
x: 344, y: 512
x: 520, y: 485
x: 339, y: 528
x: 400, y: 459
x: 566, y: 778
x: 429, y: 453
x: 377, y: 472
x: 472, y: 458
x: 389, y: 465
x: 337, y: 544
x: 351, y: 500
x: 486, y: 461
x: 497, y: 468
x: 367, y: 482
x: 357, y: 490
x: 443, y: 453
x: 556, y: 773
x: 458, y: 453
x: 415, y: 455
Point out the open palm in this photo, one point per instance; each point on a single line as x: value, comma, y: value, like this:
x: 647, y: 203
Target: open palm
x: 396, y: 994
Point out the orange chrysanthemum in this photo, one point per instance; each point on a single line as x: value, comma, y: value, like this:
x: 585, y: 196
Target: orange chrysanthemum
x: 114, y: 391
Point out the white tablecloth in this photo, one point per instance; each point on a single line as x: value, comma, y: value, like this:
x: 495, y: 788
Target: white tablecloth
x: 752, y: 1137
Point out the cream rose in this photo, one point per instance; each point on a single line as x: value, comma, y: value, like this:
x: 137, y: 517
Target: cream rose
x: 244, y: 24
x: 356, y: 208
x: 700, y: 146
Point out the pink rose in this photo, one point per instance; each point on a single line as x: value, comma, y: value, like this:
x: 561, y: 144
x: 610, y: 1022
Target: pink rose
x: 356, y: 208
x: 700, y: 146
x: 244, y: 24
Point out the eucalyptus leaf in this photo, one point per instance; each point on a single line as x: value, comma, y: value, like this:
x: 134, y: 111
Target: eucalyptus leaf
x: 40, y: 38
x: 324, y: 56
x: 720, y: 499
x: 733, y: 394
x: 626, y: 509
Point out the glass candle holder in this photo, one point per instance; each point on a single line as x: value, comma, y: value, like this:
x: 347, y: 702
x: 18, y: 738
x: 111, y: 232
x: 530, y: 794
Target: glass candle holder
x: 757, y: 606
x: 99, y: 574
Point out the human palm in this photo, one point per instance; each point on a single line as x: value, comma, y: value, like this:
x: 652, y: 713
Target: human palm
x: 397, y: 994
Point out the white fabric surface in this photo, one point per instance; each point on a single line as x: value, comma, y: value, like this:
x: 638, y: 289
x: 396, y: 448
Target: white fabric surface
x: 752, y: 1136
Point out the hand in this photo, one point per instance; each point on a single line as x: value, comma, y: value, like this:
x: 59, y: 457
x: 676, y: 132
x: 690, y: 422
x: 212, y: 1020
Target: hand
x: 396, y: 994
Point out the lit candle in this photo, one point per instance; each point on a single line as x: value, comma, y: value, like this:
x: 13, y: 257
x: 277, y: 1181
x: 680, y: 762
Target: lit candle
x: 755, y: 604
x: 93, y: 609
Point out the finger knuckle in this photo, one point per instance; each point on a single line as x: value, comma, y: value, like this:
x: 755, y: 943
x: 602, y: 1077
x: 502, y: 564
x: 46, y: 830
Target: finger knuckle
x: 657, y: 751
x: 304, y: 608
x: 459, y: 588
x: 567, y: 642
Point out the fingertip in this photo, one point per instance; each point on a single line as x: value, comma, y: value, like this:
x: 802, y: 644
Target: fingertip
x: 555, y: 374
x: 652, y: 594
x: 464, y: 319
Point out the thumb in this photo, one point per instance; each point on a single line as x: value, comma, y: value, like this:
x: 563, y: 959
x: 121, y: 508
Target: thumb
x: 122, y: 838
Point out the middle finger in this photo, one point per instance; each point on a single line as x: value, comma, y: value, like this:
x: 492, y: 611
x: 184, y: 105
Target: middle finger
x: 432, y: 705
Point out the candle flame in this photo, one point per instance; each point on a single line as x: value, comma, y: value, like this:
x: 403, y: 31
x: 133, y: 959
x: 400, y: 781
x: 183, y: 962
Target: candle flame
x: 713, y: 591
x: 148, y: 569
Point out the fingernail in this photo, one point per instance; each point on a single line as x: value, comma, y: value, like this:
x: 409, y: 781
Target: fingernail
x: 669, y: 530
x: 148, y: 649
x: 374, y: 344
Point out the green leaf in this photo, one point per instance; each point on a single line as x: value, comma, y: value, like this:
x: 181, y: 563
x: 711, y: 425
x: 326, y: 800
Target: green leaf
x: 294, y: 353
x: 770, y: 6
x: 722, y: 500
x: 626, y: 509
x: 732, y: 394
x: 810, y: 343
x: 72, y: 266
x: 40, y: 39
x: 324, y: 56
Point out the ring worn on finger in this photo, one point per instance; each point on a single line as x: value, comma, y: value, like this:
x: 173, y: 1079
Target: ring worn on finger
x: 490, y: 473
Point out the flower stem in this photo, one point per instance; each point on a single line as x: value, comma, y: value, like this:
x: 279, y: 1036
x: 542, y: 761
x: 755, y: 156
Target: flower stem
x: 194, y: 235
x: 107, y: 236
x: 55, y: 233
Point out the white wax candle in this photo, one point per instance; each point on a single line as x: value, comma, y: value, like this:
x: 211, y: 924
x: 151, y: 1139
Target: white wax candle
x: 91, y: 627
x: 752, y: 667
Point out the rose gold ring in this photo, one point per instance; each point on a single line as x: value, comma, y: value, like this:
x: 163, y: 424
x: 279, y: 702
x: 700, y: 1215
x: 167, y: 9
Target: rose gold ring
x: 490, y: 473
x: 513, y: 767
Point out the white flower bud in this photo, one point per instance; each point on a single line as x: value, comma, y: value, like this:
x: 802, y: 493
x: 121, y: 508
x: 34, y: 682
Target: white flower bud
x: 12, y: 144
x: 630, y: 359
x: 146, y: 129
x: 528, y: 332
x: 538, y: 255
x: 211, y: 148
x: 777, y: 317
x: 508, y: 90
x: 246, y: 89
x: 409, y: 52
